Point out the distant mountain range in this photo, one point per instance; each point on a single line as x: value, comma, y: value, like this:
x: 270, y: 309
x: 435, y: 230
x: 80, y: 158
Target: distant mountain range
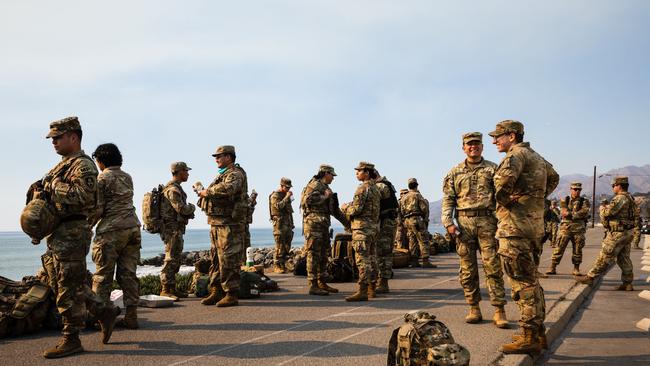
x: 639, y: 183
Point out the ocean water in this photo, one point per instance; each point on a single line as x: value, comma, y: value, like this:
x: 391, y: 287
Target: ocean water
x: 19, y: 257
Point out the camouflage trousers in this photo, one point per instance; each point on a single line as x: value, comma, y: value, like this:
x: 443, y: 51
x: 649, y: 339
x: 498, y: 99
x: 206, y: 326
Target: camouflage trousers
x: 636, y: 237
x: 416, y: 231
x: 318, y: 247
x: 173, y: 249
x: 401, y: 239
x: 519, y: 265
x: 477, y: 234
x: 615, y: 247
x: 283, y: 239
x: 119, y: 248
x: 577, y: 239
x: 364, y: 255
x: 65, y: 263
x: 385, y: 239
x: 226, y: 242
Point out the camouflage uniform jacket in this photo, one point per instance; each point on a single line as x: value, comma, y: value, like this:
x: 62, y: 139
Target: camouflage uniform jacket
x: 72, y: 186
x: 578, y: 213
x: 281, y: 212
x: 413, y: 204
x: 363, y: 211
x: 620, y: 214
x: 115, y: 209
x: 227, y: 200
x: 317, y: 208
x: 174, y: 209
x: 466, y: 188
x: 521, y: 182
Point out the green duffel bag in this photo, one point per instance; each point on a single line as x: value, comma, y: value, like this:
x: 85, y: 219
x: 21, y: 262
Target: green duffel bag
x: 250, y: 285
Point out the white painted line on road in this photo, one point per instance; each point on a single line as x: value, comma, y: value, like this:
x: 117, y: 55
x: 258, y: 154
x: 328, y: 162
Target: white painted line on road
x: 364, y: 330
x: 645, y: 294
x: 644, y: 324
x: 296, y: 327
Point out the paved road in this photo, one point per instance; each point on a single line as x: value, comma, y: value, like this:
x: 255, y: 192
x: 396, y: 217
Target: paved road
x: 604, y: 331
x: 292, y: 328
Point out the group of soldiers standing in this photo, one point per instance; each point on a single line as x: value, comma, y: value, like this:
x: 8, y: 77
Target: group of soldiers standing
x: 497, y: 211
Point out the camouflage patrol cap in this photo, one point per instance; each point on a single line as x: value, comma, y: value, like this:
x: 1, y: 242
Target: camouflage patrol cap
x: 225, y: 149
x: 507, y: 126
x: 178, y: 166
x: 576, y: 185
x: 412, y: 180
x: 285, y: 182
x: 472, y: 136
x: 364, y: 165
x: 621, y: 179
x: 327, y: 169
x: 59, y: 127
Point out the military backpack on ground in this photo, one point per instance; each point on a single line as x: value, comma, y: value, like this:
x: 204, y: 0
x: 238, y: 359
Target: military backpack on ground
x: 424, y: 341
x: 23, y: 306
x: 151, y: 217
x: 250, y: 285
x: 339, y: 266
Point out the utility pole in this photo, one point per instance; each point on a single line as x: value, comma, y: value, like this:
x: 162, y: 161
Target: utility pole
x: 593, y: 202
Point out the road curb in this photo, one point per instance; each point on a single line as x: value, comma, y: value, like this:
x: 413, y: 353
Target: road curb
x: 557, y: 318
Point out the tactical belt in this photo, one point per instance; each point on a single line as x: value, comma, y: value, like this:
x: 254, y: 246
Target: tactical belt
x: 74, y: 218
x: 474, y: 213
x: 412, y: 214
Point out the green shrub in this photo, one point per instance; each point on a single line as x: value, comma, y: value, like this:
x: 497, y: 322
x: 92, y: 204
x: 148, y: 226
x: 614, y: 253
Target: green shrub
x: 150, y: 284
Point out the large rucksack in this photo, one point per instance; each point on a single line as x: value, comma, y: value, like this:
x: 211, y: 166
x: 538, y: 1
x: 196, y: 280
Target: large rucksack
x: 339, y: 266
x: 151, y: 217
x: 422, y: 340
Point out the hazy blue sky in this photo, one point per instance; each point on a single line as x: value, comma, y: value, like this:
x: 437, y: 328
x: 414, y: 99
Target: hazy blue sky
x: 294, y: 84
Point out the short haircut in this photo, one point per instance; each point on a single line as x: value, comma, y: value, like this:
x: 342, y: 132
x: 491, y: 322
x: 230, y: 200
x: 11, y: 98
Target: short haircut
x: 372, y: 173
x: 519, y: 137
x: 625, y: 186
x: 413, y: 185
x: 79, y: 133
x: 108, y: 154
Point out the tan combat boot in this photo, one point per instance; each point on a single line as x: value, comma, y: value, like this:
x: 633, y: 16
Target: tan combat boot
x: 552, y: 271
x: 168, y: 292
x: 372, y: 290
x: 278, y: 269
x: 427, y: 264
x: 576, y: 270
x: 314, y: 289
x: 215, y: 296
x: 130, y: 320
x: 542, y: 337
x: 70, y: 345
x: 107, y: 322
x: 360, y: 295
x: 585, y: 279
x: 324, y: 286
x: 528, y: 343
x: 231, y: 299
x: 499, y: 318
x: 178, y: 292
x: 624, y: 287
x: 382, y: 288
x: 474, y: 316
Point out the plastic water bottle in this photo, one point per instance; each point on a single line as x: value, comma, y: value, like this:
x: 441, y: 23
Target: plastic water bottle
x: 249, y: 257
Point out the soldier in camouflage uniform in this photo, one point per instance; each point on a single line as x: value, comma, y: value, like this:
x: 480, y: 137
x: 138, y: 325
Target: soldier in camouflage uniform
x: 175, y: 213
x: 636, y: 232
x: 363, y: 214
x: 318, y: 203
x: 618, y: 218
x: 282, y: 218
x: 226, y: 204
x: 555, y: 223
x: 522, y: 181
x: 72, y: 187
x: 469, y: 197
x: 252, y: 202
x: 388, y: 210
x: 415, y: 215
x: 401, y: 239
x: 574, y: 213
x: 117, y: 236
